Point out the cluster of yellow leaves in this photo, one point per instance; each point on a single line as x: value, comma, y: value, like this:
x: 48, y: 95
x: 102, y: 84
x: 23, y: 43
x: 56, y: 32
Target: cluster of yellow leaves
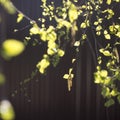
x: 101, y: 77
x: 43, y: 64
x: 109, y: 12
x: 109, y: 89
x: 72, y: 13
x: 47, y: 35
x: 110, y: 1
x: 115, y: 29
x: 63, y: 23
x: 85, y: 24
x: 105, y: 52
x: 108, y: 76
x: 107, y: 35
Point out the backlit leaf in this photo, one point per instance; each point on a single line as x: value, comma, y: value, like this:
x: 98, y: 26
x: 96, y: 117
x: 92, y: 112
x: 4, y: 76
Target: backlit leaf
x: 83, y: 25
x: 103, y: 73
x: 109, y: 103
x: 66, y: 76
x: 108, y: 2
x: 61, y: 52
x: 107, y: 36
x: 73, y: 15
x: 12, y: 47
x: 20, y: 17
x: 105, y: 52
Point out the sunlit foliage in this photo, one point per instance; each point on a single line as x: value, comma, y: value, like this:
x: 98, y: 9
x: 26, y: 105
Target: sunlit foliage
x: 65, y: 23
x: 70, y: 19
x: 9, y: 48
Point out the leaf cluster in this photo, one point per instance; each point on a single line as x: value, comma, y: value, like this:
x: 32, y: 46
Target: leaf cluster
x: 65, y: 23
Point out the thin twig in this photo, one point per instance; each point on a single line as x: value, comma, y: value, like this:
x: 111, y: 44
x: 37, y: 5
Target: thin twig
x: 17, y: 10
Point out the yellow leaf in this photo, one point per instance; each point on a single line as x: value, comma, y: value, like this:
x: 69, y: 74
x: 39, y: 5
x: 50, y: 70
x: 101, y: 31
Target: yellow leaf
x: 83, y: 25
x: 2, y: 79
x: 98, y: 28
x: 114, y: 92
x: 12, y: 47
x: 73, y: 60
x: 34, y: 30
x: 77, y: 43
x: 61, y: 52
x: 52, y: 36
x: 73, y: 14
x: 107, y: 36
x: 70, y: 70
x: 20, y: 17
x: 6, y: 110
x: 108, y: 2
x: 43, y: 64
x: 66, y: 76
x: 118, y: 34
x: 7, y: 4
x: 52, y: 44
x: 50, y: 51
x: 103, y: 73
x: 105, y: 52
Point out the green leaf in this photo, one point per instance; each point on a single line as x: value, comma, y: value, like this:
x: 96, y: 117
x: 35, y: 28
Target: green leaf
x: 2, y: 78
x: 109, y: 102
x: 107, y: 36
x: 118, y: 98
x: 105, y: 92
